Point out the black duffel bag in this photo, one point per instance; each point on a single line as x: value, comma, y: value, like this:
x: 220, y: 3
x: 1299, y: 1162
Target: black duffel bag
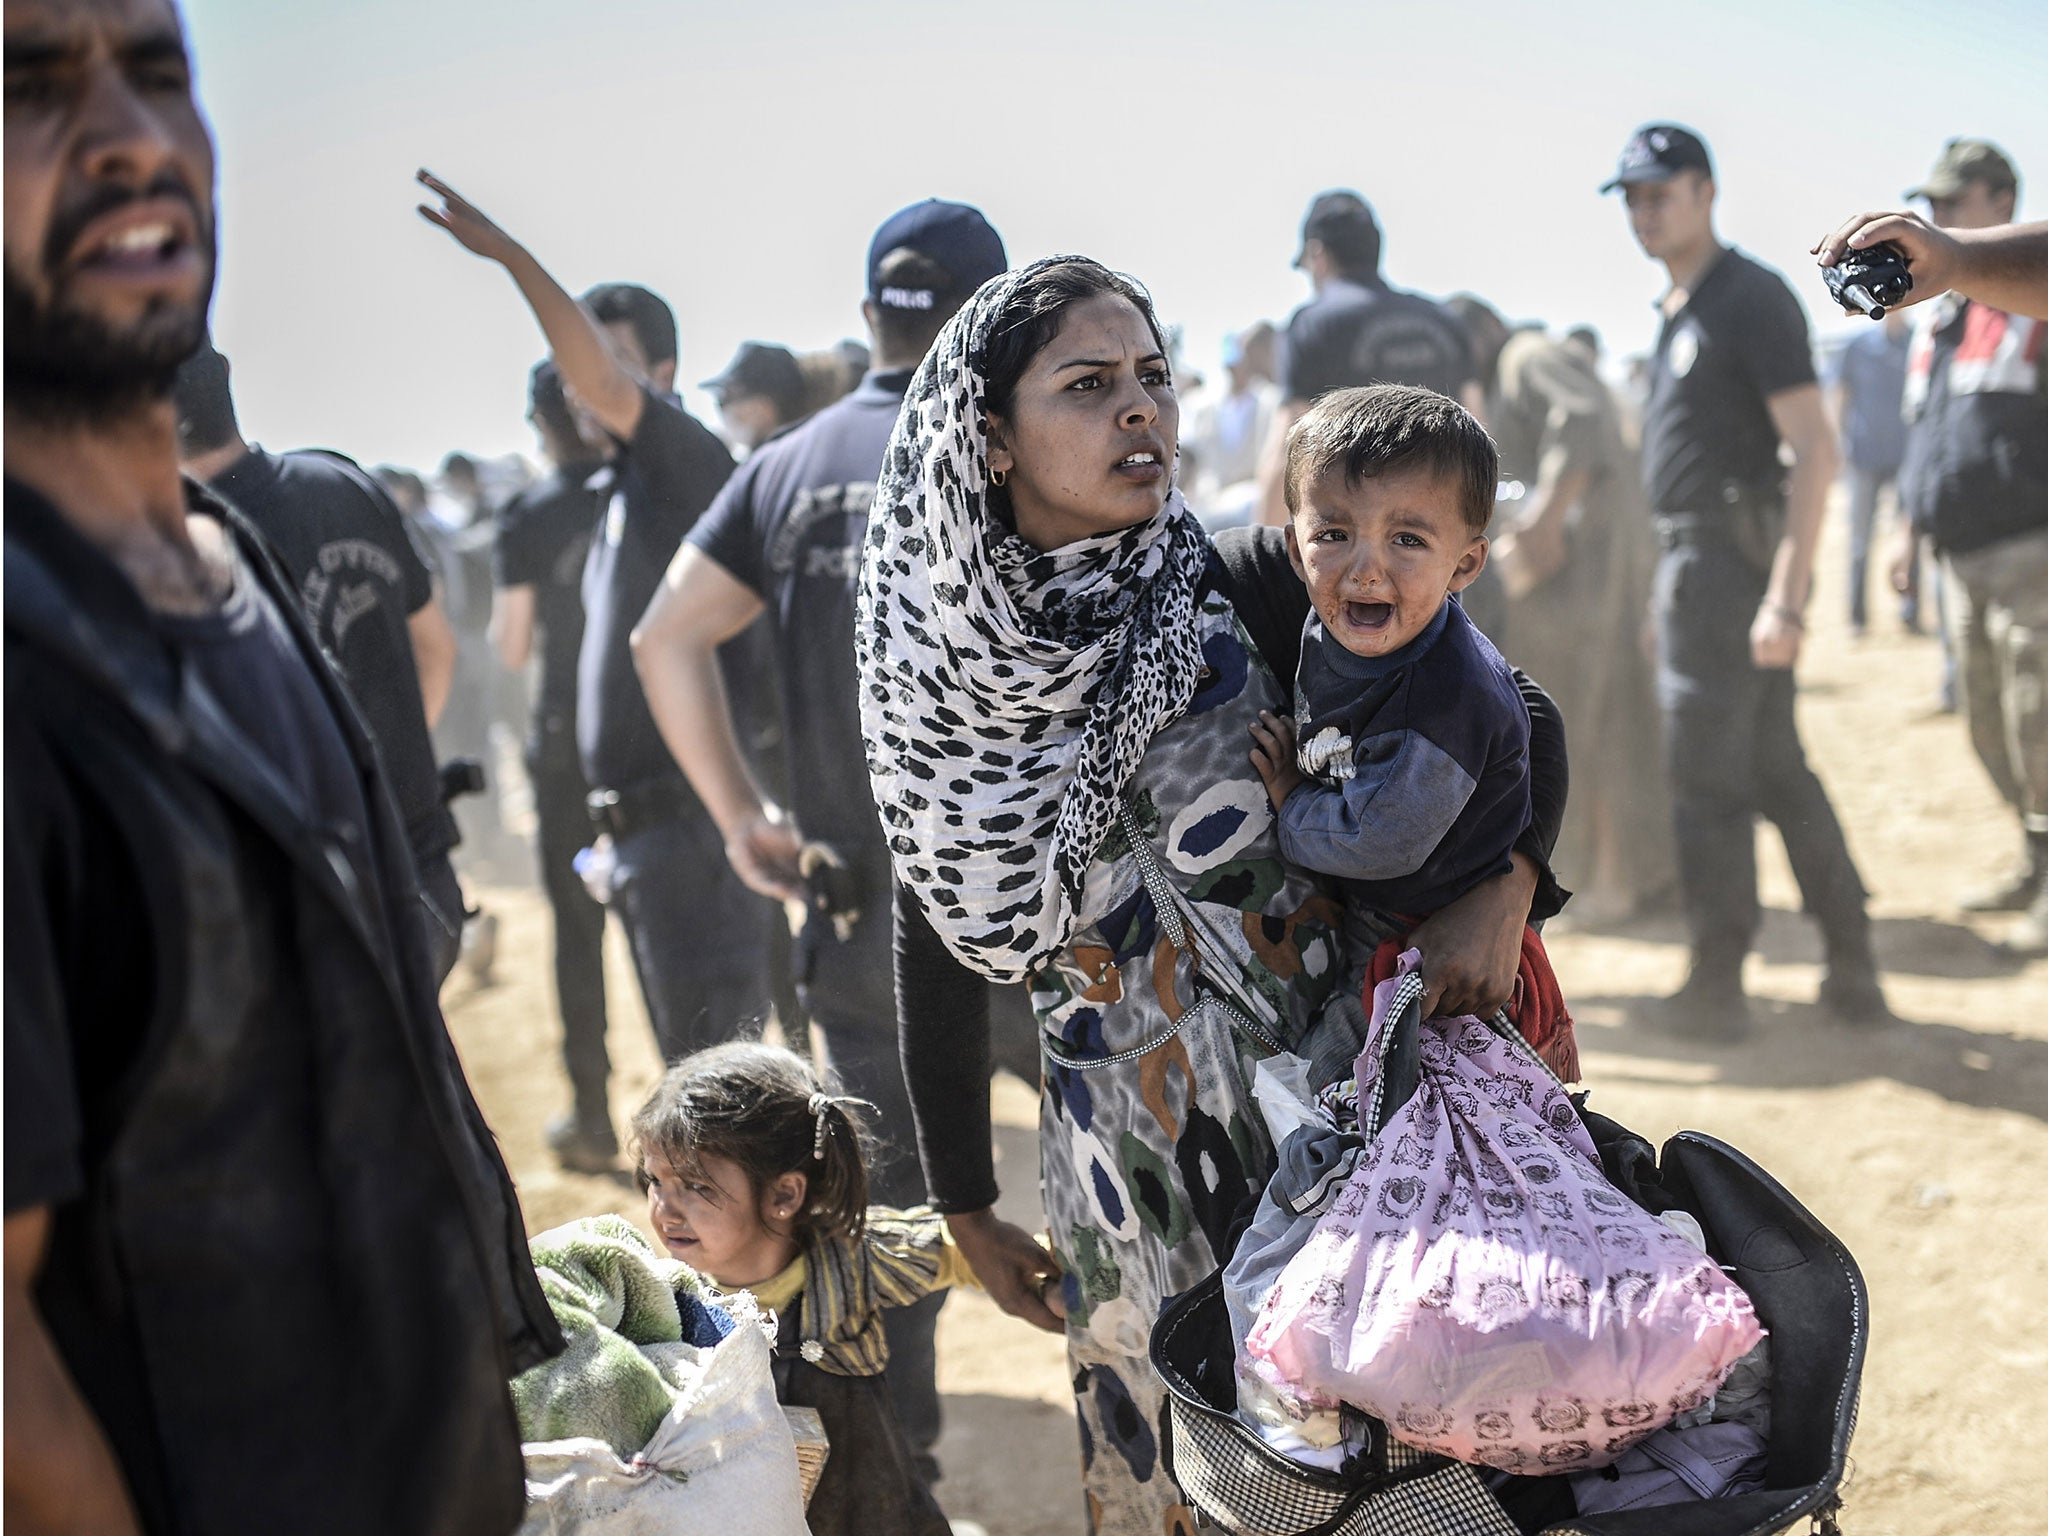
x: 1807, y: 1291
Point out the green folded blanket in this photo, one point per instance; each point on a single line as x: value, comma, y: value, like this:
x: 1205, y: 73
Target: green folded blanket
x: 636, y: 1322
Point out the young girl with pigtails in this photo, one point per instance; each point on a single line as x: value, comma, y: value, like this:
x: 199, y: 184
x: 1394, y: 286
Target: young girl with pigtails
x: 756, y: 1178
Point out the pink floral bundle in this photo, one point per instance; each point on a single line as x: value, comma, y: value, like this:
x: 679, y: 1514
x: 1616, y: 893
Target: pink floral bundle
x: 1482, y: 1288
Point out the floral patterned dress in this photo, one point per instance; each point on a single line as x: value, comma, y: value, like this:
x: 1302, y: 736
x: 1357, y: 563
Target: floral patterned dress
x: 1150, y: 1141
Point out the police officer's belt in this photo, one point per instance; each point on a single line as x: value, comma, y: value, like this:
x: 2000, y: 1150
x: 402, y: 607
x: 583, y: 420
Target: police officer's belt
x: 1751, y: 526
x: 622, y: 812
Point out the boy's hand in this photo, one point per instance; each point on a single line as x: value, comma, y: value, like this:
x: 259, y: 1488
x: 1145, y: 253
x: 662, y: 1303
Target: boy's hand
x: 1273, y: 756
x: 466, y: 223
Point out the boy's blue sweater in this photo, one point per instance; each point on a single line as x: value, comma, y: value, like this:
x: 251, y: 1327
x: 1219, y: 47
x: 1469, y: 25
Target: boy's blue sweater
x: 1418, y: 765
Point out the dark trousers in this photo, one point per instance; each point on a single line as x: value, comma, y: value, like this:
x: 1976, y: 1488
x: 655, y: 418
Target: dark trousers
x: 849, y: 992
x: 699, y: 936
x: 559, y: 793
x: 1733, y: 754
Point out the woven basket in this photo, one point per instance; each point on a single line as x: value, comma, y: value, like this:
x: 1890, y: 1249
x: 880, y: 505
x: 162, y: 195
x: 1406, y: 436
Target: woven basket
x: 812, y: 1448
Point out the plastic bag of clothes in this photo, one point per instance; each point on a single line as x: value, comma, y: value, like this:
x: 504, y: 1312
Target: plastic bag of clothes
x: 1481, y: 1287
x: 662, y: 1412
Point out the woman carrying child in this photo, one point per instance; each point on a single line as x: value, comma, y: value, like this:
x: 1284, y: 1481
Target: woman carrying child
x: 1059, y: 674
x: 756, y: 1177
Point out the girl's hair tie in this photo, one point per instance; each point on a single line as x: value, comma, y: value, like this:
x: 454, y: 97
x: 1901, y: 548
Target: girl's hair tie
x: 820, y: 1102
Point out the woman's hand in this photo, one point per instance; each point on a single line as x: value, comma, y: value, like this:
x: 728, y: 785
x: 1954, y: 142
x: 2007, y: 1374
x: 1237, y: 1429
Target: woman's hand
x: 1274, y: 756
x: 1472, y: 949
x: 1019, y: 1275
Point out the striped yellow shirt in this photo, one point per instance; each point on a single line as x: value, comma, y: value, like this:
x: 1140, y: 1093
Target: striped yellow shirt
x: 901, y: 1257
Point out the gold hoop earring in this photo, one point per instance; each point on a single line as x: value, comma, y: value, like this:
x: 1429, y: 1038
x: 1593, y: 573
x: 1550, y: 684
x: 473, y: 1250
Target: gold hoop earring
x: 996, y: 477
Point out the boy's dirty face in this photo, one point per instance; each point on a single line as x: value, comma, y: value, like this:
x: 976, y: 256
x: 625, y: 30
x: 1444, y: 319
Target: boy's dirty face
x: 1382, y: 553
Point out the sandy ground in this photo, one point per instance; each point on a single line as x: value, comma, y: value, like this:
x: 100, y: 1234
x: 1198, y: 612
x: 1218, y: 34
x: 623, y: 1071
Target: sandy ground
x: 1922, y: 1146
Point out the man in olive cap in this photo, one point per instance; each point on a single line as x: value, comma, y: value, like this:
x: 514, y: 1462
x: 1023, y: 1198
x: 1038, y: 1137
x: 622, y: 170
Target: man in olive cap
x: 1975, y: 483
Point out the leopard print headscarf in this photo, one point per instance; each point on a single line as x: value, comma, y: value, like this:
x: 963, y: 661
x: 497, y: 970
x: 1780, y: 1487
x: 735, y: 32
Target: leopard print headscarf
x: 1007, y: 695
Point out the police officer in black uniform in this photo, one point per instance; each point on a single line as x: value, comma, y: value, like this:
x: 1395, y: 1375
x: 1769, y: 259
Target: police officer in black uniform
x: 370, y: 599
x: 1357, y: 328
x: 699, y: 937
x: 542, y: 544
x: 1733, y: 380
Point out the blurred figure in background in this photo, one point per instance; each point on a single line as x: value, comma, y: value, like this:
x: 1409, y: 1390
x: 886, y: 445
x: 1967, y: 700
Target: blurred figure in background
x: 1230, y: 432
x: 1732, y: 386
x: 699, y: 936
x: 759, y: 393
x: 1868, y: 376
x: 543, y: 541
x: 831, y: 374
x: 464, y: 529
x: 368, y: 596
x: 408, y: 492
x: 1356, y: 329
x: 1976, y: 484
x: 1360, y: 329
x: 1575, y: 552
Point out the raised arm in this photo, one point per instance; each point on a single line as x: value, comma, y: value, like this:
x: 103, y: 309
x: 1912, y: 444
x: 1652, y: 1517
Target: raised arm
x: 2005, y: 266
x: 606, y: 386
x: 1578, y: 439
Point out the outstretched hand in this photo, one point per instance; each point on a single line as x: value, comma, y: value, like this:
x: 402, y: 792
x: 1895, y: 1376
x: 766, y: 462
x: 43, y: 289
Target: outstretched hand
x: 1018, y: 1274
x: 1931, y: 253
x: 1274, y: 758
x: 472, y: 229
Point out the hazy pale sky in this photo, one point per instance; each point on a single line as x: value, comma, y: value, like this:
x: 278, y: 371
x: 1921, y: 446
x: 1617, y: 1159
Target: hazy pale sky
x: 736, y: 158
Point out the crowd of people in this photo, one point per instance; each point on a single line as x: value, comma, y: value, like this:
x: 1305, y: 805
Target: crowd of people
x: 950, y: 723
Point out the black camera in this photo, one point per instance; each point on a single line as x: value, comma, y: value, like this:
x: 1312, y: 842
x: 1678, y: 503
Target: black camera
x: 1869, y: 282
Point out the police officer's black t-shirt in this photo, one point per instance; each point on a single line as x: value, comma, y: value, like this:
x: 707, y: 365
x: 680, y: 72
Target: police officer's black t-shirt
x: 345, y: 547
x: 1358, y: 333
x: 1708, y: 437
x: 662, y: 481
x: 245, y: 655
x: 543, y: 540
x: 789, y: 525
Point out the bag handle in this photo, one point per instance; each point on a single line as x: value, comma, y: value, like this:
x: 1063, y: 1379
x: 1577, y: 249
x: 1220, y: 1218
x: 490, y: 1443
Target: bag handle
x: 1182, y: 926
x: 1400, y: 1037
